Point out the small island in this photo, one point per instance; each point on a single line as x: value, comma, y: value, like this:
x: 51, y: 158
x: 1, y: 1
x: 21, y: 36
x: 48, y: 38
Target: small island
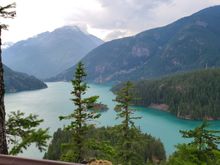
x: 99, y: 107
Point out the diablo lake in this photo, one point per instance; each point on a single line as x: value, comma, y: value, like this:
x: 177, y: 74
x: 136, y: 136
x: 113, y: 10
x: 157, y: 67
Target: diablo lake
x: 54, y: 101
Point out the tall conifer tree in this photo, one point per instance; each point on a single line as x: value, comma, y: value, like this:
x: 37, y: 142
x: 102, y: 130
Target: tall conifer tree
x: 81, y: 116
x: 203, y: 139
x: 203, y: 149
x: 124, y: 100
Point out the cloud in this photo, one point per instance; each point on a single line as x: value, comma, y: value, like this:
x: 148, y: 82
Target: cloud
x: 128, y: 17
x: 115, y: 35
x: 107, y: 19
x: 123, y: 14
x: 120, y: 15
x: 120, y: 18
x: 36, y: 16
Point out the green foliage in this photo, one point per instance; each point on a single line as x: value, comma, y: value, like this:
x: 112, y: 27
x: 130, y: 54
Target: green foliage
x: 129, y: 137
x: 59, y: 137
x: 81, y: 116
x: 122, y: 144
x: 193, y: 95
x: 69, y: 156
x: 124, y: 100
x: 202, y: 150
x: 189, y: 155
x: 203, y: 139
x: 105, y: 145
x: 22, y: 132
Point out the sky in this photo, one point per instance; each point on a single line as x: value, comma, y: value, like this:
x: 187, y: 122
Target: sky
x: 106, y: 19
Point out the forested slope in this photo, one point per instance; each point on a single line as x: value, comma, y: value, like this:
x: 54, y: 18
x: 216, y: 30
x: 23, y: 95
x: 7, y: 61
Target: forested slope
x: 187, y: 44
x: 17, y: 81
x: 148, y: 148
x: 193, y: 95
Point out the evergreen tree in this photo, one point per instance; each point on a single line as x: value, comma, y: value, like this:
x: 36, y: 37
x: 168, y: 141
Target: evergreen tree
x: 22, y: 131
x: 124, y: 100
x: 5, y: 12
x: 147, y: 148
x: 193, y: 95
x: 202, y: 150
x: 203, y: 138
x: 80, y: 117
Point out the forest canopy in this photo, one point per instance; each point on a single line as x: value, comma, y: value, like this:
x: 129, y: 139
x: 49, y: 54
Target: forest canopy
x: 192, y: 95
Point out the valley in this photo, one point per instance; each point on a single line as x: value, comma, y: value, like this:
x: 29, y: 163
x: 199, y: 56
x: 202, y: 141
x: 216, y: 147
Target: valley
x: 55, y: 101
x: 152, y: 95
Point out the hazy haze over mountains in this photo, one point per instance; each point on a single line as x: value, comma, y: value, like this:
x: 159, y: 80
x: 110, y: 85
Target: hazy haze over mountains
x: 49, y: 53
x: 190, y: 43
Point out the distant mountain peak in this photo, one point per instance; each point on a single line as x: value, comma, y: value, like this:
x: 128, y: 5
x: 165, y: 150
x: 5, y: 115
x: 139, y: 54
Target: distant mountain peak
x: 49, y: 53
x: 189, y: 43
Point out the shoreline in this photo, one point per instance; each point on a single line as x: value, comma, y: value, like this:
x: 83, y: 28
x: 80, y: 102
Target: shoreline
x: 165, y: 108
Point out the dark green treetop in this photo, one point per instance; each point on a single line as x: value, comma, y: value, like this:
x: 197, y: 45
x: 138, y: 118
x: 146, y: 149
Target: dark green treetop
x: 203, y: 138
x: 202, y: 150
x: 81, y: 116
x: 124, y: 100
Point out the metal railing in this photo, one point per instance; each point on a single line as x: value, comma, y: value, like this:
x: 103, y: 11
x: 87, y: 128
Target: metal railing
x: 14, y: 160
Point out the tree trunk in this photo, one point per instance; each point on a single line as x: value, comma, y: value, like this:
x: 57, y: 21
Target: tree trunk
x: 3, y: 142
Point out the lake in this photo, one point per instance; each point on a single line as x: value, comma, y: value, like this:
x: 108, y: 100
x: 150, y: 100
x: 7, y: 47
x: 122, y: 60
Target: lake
x: 55, y: 101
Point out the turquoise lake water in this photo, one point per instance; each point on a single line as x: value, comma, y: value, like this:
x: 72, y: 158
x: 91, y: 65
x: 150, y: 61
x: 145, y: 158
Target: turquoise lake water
x: 55, y: 101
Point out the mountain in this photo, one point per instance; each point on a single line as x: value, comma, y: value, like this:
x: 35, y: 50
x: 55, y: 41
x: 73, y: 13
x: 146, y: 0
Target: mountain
x: 189, y: 43
x: 49, y: 53
x: 16, y: 81
x: 192, y: 95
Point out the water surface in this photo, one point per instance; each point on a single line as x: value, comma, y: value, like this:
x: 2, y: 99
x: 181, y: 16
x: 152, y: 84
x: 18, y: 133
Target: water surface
x: 55, y: 101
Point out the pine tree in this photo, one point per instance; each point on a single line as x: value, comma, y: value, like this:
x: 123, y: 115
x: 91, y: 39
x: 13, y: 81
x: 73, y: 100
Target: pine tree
x: 203, y: 138
x: 124, y: 100
x: 22, y: 131
x: 5, y: 12
x: 81, y: 116
x: 202, y: 150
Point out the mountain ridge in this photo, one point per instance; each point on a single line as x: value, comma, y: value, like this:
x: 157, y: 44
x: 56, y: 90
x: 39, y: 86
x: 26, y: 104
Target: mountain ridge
x: 17, y: 81
x: 192, y: 42
x: 49, y: 53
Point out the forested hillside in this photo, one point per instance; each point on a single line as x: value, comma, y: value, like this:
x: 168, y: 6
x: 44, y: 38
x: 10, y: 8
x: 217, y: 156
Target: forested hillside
x: 193, y: 95
x: 189, y: 43
x: 16, y: 81
x: 147, y: 149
